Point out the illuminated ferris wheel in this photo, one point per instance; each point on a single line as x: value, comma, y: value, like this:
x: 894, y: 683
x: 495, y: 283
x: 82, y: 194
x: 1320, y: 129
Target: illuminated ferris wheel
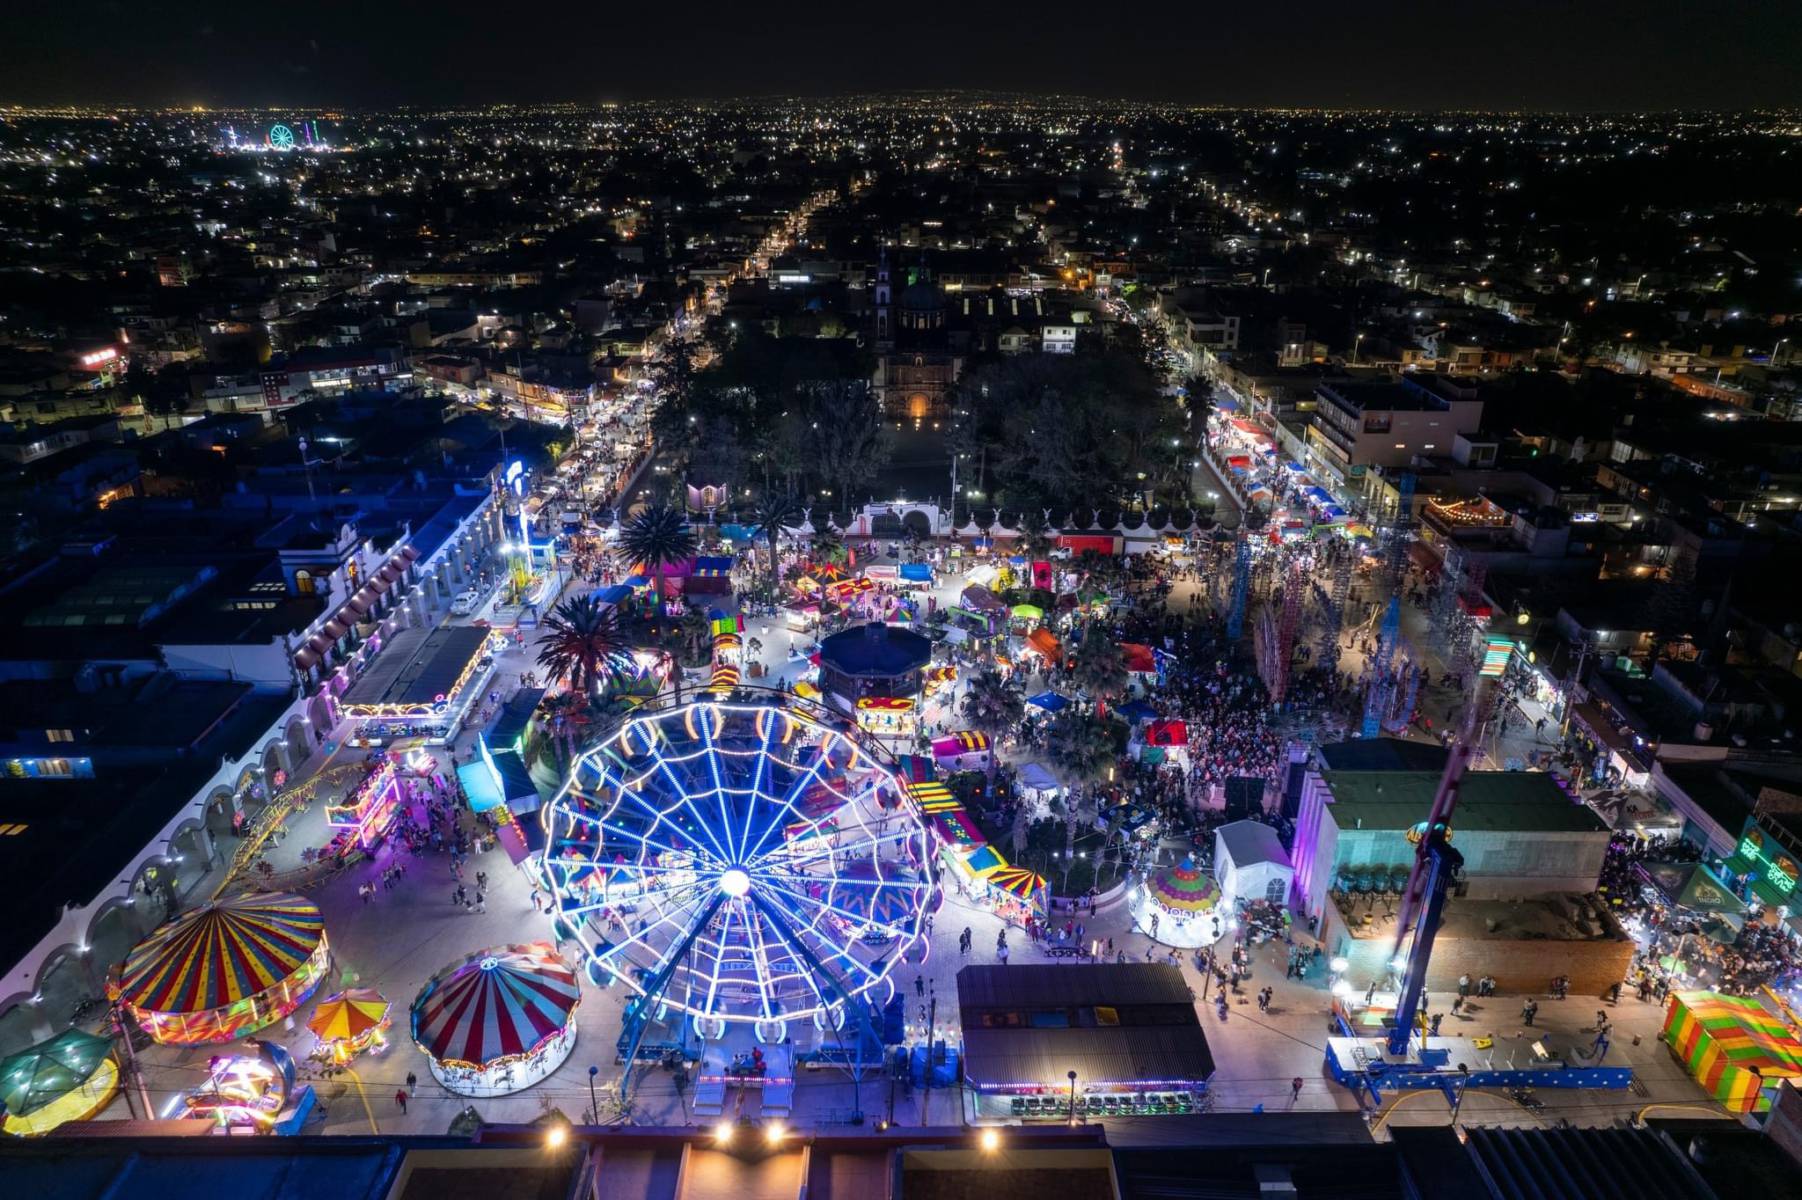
x: 739, y: 863
x: 281, y: 137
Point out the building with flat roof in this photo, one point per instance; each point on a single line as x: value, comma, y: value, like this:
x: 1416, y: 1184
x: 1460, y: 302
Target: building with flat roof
x: 1360, y: 426
x: 1128, y: 1031
x: 1519, y: 832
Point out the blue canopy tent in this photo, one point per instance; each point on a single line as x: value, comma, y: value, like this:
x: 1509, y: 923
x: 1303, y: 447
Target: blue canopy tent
x: 1317, y: 494
x: 1049, y: 701
x: 917, y: 572
x: 1136, y: 710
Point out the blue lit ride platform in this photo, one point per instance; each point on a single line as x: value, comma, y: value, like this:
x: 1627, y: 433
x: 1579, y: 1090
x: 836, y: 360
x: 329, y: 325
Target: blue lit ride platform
x: 1365, y: 1064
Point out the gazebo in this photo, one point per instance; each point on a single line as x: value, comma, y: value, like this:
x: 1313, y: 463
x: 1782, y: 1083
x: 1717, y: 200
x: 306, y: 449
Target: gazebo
x: 873, y: 662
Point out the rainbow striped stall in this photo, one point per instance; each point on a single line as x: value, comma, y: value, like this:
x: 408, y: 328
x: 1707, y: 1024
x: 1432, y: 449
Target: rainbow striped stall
x: 1735, y: 1048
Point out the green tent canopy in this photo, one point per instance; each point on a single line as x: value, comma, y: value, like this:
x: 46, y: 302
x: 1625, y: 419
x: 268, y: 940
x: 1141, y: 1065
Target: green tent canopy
x: 40, y: 1074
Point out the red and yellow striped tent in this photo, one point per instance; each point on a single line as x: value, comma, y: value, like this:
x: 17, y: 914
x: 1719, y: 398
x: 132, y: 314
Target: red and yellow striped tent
x: 1028, y: 887
x: 1735, y: 1048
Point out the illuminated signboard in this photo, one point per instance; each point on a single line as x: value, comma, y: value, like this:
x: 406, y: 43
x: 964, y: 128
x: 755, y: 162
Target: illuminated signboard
x: 99, y: 356
x: 1774, y: 867
x: 1495, y: 655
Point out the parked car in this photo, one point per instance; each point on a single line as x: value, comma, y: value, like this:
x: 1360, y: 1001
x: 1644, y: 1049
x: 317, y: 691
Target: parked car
x: 466, y: 602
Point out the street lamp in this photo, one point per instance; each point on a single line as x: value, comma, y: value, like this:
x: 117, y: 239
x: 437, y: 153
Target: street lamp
x: 594, y: 1105
x: 1072, y: 1097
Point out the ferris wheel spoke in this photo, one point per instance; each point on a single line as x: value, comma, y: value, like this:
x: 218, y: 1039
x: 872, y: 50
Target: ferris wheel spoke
x: 686, y: 801
x: 661, y: 816
x: 775, y: 857
x: 824, y: 907
x: 841, y: 953
x: 788, y: 802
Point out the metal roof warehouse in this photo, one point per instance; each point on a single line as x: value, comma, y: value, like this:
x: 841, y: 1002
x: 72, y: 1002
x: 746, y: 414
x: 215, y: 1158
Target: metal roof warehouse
x: 1123, y: 1028
x: 416, y: 671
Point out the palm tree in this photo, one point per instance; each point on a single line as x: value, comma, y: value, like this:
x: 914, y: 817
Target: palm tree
x: 1100, y: 668
x: 827, y: 546
x: 656, y: 540
x: 991, y: 707
x: 774, y: 511
x: 581, y: 637
x: 1081, y: 750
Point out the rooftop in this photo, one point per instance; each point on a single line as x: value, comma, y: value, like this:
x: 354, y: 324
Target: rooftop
x: 1488, y: 801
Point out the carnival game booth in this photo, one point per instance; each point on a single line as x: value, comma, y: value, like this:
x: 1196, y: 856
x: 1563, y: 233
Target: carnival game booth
x: 225, y: 969
x: 1017, y: 894
x: 965, y: 750
x: 1179, y: 906
x: 70, y: 1077
x: 1735, y: 1048
x: 498, y: 1021
x: 421, y: 685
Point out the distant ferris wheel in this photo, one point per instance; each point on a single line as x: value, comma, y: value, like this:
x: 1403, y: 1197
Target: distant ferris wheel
x: 281, y: 137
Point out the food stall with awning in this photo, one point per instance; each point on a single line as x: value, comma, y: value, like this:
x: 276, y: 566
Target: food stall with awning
x: 1044, y: 643
x: 965, y: 750
x: 1738, y: 1050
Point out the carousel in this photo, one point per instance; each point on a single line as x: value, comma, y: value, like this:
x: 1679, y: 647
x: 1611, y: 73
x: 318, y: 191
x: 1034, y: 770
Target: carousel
x: 1179, y: 906
x: 225, y: 969
x: 498, y: 1021
x: 347, y: 1024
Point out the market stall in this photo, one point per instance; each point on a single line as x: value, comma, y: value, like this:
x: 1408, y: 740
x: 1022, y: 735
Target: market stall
x: 498, y: 1021
x: 225, y: 969
x: 1736, y: 1049
x: 70, y: 1077
x: 965, y: 750
x: 1179, y: 906
x: 1017, y: 894
x: 1250, y: 864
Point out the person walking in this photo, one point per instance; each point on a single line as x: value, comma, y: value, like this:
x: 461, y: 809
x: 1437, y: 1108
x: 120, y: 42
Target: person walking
x: 400, y: 1099
x: 1528, y: 1010
x: 1295, y: 1089
x: 481, y: 901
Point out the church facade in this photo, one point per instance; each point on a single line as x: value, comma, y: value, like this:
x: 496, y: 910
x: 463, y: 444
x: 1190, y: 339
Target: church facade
x: 916, y: 363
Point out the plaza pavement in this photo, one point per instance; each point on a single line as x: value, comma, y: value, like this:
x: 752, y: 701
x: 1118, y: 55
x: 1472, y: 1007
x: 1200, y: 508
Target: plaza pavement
x: 396, y: 941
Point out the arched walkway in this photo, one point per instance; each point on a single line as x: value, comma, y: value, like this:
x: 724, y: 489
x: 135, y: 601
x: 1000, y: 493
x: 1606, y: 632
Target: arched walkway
x: 219, y: 811
x: 111, y: 935
x: 300, y: 742
x: 64, y: 983
x: 193, y: 853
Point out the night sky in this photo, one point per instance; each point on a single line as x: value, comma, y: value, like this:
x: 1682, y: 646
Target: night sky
x: 1535, y: 54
